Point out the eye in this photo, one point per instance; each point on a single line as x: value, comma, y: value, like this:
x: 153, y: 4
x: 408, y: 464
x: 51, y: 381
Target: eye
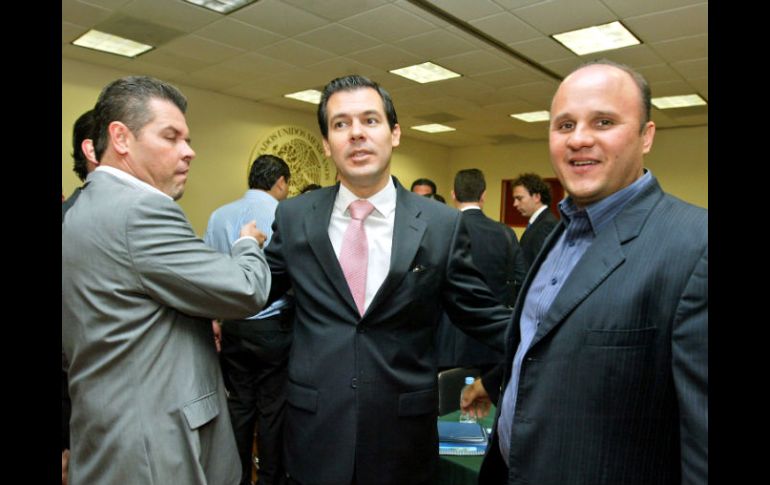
x: 372, y: 121
x: 339, y: 124
x: 565, y: 126
x: 605, y: 123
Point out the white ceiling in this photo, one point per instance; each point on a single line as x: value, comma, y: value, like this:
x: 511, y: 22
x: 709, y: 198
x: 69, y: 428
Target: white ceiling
x: 502, y: 49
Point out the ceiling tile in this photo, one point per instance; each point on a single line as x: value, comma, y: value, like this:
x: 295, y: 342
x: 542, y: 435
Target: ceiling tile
x: 258, y: 66
x: 692, y: 69
x: 682, y: 48
x: 435, y: 44
x: 507, y: 77
x: 626, y: 8
x: 702, y: 85
x: 201, y: 49
x: 338, y: 39
x: 148, y: 69
x: 555, y: 16
x: 82, y: 13
x: 278, y: 17
x: 109, y: 4
x: 177, y: 15
x: 238, y: 34
x: 659, y: 73
x: 670, y: 24
x: 506, y: 28
x: 295, y: 52
x: 475, y: 62
x: 336, y: 9
x: 139, y: 29
x: 513, y: 4
x: 386, y: 57
x: 342, y: 66
x: 93, y: 56
x: 70, y: 32
x: 635, y: 55
x: 670, y: 88
x: 465, y: 10
x: 542, y: 49
x: 388, y: 23
x: 164, y: 58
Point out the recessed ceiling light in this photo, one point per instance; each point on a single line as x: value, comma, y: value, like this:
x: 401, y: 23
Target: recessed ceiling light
x: 101, y: 41
x: 221, y: 6
x: 597, y: 38
x: 309, y: 96
x: 433, y: 128
x: 532, y: 116
x: 668, y: 102
x: 427, y: 72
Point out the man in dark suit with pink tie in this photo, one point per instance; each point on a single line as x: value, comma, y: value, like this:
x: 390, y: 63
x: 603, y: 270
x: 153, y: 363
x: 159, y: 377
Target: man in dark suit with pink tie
x: 362, y: 391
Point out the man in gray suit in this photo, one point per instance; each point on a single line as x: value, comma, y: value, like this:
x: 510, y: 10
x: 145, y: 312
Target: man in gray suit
x: 139, y: 290
x: 605, y: 379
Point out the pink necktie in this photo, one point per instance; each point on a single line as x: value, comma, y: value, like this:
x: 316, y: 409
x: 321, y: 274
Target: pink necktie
x: 354, y: 254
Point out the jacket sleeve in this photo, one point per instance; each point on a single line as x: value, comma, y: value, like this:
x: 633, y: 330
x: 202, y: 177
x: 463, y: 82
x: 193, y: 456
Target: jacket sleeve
x: 690, y: 369
x: 177, y: 269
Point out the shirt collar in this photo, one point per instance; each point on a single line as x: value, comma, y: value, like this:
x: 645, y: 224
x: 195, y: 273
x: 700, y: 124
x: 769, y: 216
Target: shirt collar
x: 603, y: 211
x: 537, y: 213
x: 130, y: 179
x: 384, y: 201
x: 470, y: 207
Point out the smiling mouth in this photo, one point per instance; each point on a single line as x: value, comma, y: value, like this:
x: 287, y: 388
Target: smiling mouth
x: 583, y: 163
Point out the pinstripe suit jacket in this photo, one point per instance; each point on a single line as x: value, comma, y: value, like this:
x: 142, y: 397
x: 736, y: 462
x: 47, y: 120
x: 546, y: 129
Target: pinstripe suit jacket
x: 614, y: 387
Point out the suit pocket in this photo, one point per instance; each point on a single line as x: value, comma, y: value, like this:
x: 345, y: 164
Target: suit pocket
x: 201, y: 410
x: 621, y: 338
x: 302, y: 397
x: 418, y: 403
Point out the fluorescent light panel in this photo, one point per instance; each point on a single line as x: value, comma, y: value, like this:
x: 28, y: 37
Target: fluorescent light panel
x: 532, y: 116
x: 433, y: 128
x: 597, y: 38
x: 102, y: 41
x: 309, y: 96
x: 221, y: 6
x: 427, y: 72
x: 668, y: 102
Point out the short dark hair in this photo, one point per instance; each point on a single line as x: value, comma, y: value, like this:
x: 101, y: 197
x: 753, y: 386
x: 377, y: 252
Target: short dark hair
x: 427, y: 182
x: 83, y: 129
x: 309, y: 187
x: 469, y: 185
x: 126, y: 100
x: 437, y: 197
x: 645, y: 94
x: 352, y: 83
x: 534, y: 185
x: 266, y: 170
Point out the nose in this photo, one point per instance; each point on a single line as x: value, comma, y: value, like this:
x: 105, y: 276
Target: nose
x: 356, y: 130
x: 187, y: 153
x: 580, y: 137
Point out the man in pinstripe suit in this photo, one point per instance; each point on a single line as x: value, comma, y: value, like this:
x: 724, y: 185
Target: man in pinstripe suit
x: 605, y: 379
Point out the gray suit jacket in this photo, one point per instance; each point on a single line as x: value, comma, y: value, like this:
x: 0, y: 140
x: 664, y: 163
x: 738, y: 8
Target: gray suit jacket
x: 614, y: 387
x: 138, y: 291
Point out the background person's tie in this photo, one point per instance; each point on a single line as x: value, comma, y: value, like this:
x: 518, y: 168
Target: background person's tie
x: 354, y: 254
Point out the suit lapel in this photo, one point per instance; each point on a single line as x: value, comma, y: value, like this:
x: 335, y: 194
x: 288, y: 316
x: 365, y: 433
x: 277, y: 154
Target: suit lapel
x: 599, y: 261
x: 316, y: 224
x: 408, y: 231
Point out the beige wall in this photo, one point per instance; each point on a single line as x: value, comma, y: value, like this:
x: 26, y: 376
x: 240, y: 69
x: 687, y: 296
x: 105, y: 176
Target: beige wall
x: 224, y: 130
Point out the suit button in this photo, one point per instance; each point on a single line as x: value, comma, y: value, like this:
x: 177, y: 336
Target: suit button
x: 354, y: 383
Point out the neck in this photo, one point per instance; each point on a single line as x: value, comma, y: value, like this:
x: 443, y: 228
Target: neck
x: 463, y: 205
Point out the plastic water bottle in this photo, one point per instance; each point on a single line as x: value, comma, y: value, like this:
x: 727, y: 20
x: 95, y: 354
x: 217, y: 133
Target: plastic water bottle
x: 466, y: 417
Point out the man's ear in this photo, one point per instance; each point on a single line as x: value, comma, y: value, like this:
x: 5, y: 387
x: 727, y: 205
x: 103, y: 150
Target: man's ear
x: 120, y: 136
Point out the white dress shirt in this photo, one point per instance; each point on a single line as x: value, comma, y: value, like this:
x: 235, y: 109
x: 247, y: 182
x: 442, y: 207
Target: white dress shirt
x: 379, y: 232
x: 533, y: 217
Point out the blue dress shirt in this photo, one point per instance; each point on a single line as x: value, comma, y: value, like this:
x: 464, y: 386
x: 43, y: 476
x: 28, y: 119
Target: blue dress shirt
x: 582, y: 227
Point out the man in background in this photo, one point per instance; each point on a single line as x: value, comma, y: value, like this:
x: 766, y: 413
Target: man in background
x: 255, y: 351
x: 84, y: 162
x: 532, y: 198
x: 605, y: 379
x: 139, y: 290
x: 423, y: 187
x: 495, y: 252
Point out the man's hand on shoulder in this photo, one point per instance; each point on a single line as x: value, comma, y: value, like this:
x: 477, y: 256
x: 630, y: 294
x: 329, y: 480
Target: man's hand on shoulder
x: 250, y: 229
